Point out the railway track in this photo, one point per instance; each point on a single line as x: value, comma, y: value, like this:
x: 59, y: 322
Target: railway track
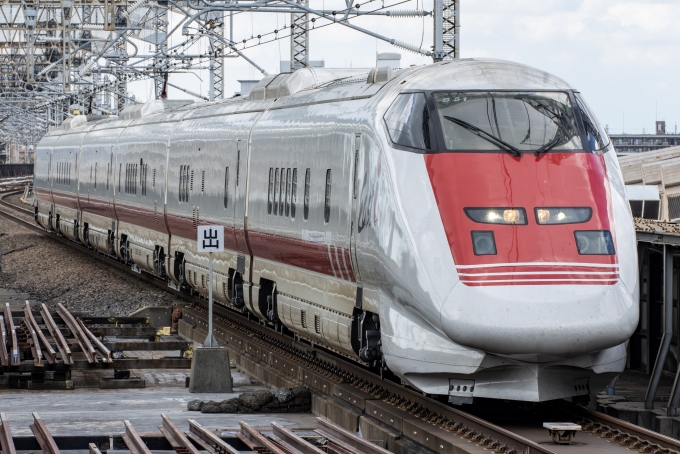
x: 437, y: 416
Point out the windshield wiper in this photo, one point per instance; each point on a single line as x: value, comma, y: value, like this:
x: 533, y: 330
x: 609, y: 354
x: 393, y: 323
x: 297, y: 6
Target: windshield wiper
x: 486, y: 136
x: 548, y: 146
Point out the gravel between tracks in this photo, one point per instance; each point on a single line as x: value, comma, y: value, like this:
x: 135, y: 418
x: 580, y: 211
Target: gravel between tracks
x: 54, y: 273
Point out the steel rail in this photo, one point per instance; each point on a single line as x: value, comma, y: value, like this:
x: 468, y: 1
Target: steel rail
x: 12, y: 335
x: 98, y: 345
x: 208, y: 440
x: 47, y: 351
x: 133, y: 441
x: 347, y: 440
x: 33, y: 343
x: 81, y: 337
x: 4, y: 358
x: 55, y: 332
x: 622, y: 432
x: 256, y: 441
x: 43, y: 436
x: 6, y: 442
x: 176, y: 437
x: 290, y: 440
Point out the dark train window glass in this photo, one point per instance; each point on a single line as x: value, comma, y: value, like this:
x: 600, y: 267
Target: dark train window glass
x: 595, y: 134
x: 288, y: 184
x: 226, y: 187
x: 270, y: 193
x: 651, y: 210
x: 636, y: 208
x: 276, y: 191
x: 293, y: 196
x: 180, y: 190
x: 509, y: 121
x: 327, y: 204
x: 408, y: 121
x: 282, y: 191
x: 306, y: 201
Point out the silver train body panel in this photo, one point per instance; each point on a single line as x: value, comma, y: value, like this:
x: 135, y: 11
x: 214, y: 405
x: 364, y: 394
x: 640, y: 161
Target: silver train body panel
x: 266, y: 168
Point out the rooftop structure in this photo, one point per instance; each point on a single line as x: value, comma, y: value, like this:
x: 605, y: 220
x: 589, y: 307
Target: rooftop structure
x: 638, y: 143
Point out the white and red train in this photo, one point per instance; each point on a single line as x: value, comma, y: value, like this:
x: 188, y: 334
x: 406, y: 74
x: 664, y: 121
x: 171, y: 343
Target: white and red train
x: 463, y: 223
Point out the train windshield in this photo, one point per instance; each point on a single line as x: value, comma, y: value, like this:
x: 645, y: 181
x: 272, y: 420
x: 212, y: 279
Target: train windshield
x: 516, y: 122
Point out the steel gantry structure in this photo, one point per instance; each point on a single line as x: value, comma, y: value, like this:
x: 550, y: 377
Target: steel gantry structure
x: 60, y: 58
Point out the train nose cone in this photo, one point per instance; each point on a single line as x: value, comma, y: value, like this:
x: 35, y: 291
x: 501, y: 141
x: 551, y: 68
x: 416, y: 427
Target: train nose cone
x: 555, y: 320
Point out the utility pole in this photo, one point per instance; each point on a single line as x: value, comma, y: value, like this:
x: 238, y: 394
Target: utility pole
x: 446, y: 30
x: 299, y: 38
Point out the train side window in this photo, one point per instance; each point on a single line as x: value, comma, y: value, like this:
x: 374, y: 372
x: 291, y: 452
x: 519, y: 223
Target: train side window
x: 276, y: 191
x: 188, y: 184
x: 282, y: 192
x: 181, y: 183
x: 306, y: 201
x: 288, y: 184
x: 270, y: 193
x: 293, y: 195
x: 226, y: 187
x: 327, y: 204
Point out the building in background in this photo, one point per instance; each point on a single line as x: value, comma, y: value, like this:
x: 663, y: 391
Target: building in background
x: 3, y: 153
x: 659, y: 169
x: 637, y: 143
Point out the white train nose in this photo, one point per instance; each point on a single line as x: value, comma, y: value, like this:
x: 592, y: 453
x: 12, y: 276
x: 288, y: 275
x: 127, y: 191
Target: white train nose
x: 556, y: 320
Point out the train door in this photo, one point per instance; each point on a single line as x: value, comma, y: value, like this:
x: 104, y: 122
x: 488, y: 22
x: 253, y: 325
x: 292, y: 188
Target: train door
x: 357, y: 174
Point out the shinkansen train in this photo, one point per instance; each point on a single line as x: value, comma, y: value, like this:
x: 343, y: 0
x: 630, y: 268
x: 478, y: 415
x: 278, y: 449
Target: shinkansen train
x: 463, y: 224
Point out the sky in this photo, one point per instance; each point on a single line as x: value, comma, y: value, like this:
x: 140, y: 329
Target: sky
x: 624, y: 56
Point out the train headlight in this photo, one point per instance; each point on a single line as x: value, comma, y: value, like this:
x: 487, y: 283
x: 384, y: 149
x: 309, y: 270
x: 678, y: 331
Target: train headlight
x: 594, y: 242
x: 551, y: 215
x: 497, y: 215
x: 483, y: 242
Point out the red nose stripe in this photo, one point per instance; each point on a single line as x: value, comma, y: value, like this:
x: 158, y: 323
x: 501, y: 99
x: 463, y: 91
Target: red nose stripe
x: 545, y: 274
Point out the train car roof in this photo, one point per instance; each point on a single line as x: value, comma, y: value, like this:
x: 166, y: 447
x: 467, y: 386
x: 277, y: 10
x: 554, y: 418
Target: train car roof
x: 483, y: 74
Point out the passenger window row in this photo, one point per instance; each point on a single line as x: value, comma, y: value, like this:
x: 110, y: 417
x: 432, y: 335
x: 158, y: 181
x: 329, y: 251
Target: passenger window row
x: 282, y: 193
x: 186, y: 177
x: 63, y: 173
x: 131, y: 179
x: 282, y: 196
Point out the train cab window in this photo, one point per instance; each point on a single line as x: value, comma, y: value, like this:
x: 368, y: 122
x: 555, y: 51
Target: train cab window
x: 226, y: 187
x: 306, y: 200
x: 293, y: 195
x: 408, y: 121
x: 327, y: 204
x: 597, y: 137
x: 270, y: 193
x: 514, y: 122
x: 288, y: 184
